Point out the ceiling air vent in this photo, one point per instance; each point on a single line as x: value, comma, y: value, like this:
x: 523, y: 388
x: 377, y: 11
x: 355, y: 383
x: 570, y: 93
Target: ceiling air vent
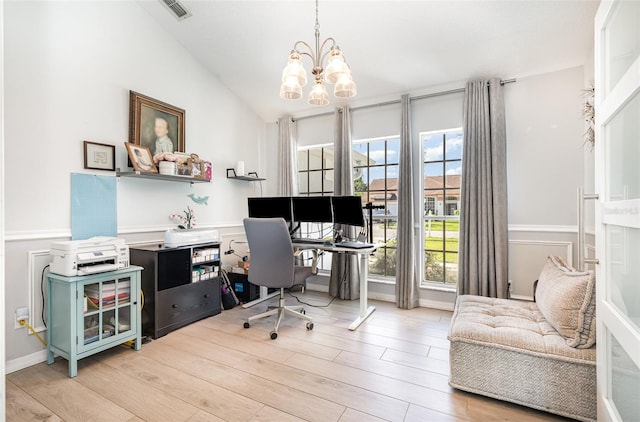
x: 177, y: 9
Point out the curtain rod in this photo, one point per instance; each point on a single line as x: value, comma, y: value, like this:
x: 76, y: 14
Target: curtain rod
x: 416, y: 98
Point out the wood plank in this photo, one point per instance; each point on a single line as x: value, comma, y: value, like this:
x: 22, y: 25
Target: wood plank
x: 421, y: 414
x: 118, y: 387
x: 212, y: 398
x: 278, y: 396
x: 264, y: 347
x: 320, y: 339
x: 436, y: 400
x: 393, y: 370
x: 66, y: 397
x: 202, y: 416
x: 352, y: 415
x: 20, y: 406
x: 269, y: 414
x: 260, y: 333
x: 438, y: 353
x: 415, y: 361
x: 338, y: 392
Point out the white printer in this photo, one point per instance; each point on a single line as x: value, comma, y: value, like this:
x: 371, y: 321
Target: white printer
x: 90, y: 256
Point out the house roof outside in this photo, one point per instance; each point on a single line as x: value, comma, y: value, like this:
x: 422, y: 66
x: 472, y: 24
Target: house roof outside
x: 434, y: 183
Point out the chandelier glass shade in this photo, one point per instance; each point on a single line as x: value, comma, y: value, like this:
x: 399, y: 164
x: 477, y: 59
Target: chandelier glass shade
x: 337, y: 71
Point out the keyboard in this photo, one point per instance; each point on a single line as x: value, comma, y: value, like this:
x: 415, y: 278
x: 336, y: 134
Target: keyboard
x: 309, y: 241
x: 354, y: 245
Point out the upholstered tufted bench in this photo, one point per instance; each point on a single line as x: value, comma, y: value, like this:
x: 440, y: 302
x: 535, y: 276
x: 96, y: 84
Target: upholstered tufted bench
x: 508, y: 350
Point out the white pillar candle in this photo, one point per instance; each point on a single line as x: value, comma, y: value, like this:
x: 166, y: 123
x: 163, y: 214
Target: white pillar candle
x: 240, y: 168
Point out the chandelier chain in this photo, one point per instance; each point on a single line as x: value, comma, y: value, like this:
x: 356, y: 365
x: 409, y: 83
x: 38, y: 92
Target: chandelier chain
x: 317, y: 21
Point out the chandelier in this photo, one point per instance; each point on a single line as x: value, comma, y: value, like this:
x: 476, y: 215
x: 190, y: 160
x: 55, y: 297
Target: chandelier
x: 337, y: 72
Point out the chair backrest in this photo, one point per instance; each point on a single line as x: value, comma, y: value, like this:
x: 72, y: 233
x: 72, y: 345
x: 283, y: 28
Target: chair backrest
x: 272, y: 263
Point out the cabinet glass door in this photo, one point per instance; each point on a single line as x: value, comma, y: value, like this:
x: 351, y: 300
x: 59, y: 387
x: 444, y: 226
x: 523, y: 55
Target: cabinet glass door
x: 107, y: 310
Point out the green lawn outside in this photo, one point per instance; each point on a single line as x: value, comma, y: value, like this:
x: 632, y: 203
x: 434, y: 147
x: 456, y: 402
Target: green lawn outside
x: 451, y: 225
x: 435, y: 244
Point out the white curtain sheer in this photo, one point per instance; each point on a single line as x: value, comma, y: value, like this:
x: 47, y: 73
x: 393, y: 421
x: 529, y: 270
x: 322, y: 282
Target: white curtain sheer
x: 483, y: 253
x: 287, y: 157
x: 344, y: 281
x: 407, y: 275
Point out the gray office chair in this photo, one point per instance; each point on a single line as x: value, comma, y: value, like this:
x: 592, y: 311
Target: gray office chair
x: 272, y: 265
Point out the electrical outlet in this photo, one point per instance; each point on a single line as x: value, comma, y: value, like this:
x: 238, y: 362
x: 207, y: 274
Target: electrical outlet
x: 510, y: 286
x: 22, y: 314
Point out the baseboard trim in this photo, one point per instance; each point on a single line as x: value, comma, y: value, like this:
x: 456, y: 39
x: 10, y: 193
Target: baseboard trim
x: 17, y: 364
x: 434, y: 304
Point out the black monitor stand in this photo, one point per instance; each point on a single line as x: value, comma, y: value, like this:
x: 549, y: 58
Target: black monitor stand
x: 369, y: 206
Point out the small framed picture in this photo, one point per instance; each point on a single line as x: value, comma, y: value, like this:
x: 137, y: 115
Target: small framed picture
x: 141, y: 158
x: 99, y: 156
x: 183, y: 164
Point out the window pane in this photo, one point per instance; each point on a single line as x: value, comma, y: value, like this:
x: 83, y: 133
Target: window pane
x: 328, y: 181
x: 454, y: 145
x: 434, y: 197
x: 451, y: 269
x: 623, y: 149
x: 433, y: 269
x: 377, y: 152
x: 393, y: 151
x: 303, y: 182
x: 624, y: 376
x: 315, y: 181
x: 435, y: 171
x: 302, y: 159
x: 315, y: 159
x: 392, y: 173
x: 433, y: 148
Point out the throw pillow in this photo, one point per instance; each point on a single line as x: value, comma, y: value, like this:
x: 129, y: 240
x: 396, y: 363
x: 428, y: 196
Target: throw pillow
x: 566, y: 298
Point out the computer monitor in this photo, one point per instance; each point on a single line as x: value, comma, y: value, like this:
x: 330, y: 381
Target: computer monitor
x: 270, y: 207
x: 312, y: 209
x: 347, y: 210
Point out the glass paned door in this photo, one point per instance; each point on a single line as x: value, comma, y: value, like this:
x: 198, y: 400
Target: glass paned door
x: 617, y: 148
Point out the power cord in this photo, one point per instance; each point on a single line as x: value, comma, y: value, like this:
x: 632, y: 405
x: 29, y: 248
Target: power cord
x: 42, y: 292
x: 344, y: 279
x: 35, y: 333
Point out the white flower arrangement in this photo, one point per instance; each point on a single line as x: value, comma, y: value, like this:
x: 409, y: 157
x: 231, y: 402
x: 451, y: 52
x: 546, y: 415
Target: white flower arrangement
x: 188, y: 221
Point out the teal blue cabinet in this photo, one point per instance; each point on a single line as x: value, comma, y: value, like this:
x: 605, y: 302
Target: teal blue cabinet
x: 91, y: 313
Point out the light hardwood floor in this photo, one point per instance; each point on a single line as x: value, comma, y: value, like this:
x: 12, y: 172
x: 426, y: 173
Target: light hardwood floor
x: 394, y: 367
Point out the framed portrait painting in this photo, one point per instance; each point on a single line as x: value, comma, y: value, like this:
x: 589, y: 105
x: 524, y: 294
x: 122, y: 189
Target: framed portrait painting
x: 155, y: 125
x: 99, y: 156
x: 141, y: 158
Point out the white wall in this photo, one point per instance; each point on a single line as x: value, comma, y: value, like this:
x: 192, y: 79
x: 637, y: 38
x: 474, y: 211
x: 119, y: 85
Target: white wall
x: 544, y: 154
x: 69, y: 67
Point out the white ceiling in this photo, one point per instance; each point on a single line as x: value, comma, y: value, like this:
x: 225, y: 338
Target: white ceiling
x: 392, y: 47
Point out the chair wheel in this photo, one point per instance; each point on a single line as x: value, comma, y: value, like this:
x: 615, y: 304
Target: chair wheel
x: 303, y: 312
x: 246, y: 325
x: 274, y: 335
x: 309, y: 326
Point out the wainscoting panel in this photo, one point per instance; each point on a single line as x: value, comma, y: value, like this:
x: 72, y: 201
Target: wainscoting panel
x: 526, y: 258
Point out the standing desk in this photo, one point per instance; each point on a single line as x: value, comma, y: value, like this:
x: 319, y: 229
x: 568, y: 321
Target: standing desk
x: 363, y: 253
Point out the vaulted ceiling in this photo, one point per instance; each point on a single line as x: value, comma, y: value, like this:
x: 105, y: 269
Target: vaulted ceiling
x: 392, y: 47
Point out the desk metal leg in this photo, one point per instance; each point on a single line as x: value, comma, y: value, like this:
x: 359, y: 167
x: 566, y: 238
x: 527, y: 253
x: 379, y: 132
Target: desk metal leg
x: 365, y: 310
x: 263, y: 296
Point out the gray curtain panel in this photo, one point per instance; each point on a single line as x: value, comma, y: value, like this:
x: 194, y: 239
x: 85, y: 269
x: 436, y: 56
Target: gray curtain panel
x: 344, y: 281
x: 407, y: 277
x: 287, y: 157
x: 483, y: 253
